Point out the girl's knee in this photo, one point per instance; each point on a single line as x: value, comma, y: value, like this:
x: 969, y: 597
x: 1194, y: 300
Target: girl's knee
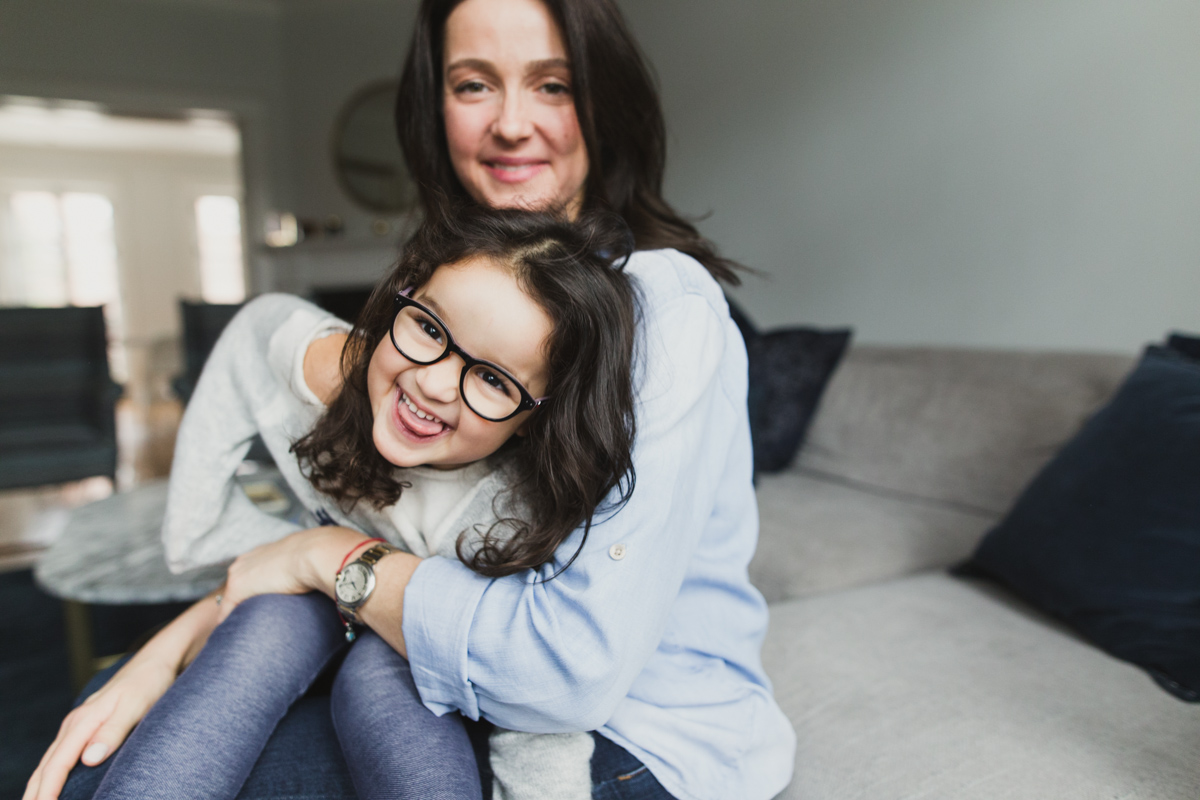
x: 371, y: 658
x: 371, y: 673
x: 274, y: 625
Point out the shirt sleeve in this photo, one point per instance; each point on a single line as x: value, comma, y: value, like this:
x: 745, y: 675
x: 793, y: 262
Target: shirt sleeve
x: 559, y: 655
x: 240, y: 393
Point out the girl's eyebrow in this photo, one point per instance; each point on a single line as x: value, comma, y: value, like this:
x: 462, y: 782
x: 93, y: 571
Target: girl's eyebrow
x: 433, y: 306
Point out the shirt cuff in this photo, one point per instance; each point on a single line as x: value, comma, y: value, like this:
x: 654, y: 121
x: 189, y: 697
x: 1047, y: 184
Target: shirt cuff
x: 439, y: 605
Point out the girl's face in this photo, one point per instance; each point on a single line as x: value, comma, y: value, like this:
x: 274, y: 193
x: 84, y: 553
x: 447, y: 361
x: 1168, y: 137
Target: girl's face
x: 511, y: 127
x: 419, y: 416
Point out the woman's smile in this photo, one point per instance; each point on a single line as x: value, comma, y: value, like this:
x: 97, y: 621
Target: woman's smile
x: 508, y: 169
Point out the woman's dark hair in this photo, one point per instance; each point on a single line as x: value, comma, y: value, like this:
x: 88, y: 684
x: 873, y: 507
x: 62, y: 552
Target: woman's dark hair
x: 577, y: 445
x: 619, y: 114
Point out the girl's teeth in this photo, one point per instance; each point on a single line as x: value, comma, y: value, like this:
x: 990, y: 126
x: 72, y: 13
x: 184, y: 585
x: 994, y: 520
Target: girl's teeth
x: 413, y: 408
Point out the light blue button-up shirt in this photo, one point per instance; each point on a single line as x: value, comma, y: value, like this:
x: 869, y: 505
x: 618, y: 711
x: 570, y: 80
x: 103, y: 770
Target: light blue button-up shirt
x: 653, y: 635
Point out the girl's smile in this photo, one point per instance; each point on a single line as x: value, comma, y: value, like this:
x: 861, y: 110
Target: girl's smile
x: 416, y: 424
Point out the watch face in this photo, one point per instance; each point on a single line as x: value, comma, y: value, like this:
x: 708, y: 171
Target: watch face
x: 352, y: 583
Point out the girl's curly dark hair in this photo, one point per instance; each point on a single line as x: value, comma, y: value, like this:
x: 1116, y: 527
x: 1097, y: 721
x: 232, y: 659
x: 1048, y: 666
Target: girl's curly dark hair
x: 578, y: 445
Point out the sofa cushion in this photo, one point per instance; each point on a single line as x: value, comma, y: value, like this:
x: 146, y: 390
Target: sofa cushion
x: 1107, y: 537
x: 817, y: 535
x: 939, y: 688
x: 963, y: 426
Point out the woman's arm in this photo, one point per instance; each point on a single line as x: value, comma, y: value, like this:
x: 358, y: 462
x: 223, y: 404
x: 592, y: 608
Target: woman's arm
x: 99, y: 725
x: 559, y: 655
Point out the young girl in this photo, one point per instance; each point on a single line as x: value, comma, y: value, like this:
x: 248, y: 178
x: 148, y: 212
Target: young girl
x: 485, y: 412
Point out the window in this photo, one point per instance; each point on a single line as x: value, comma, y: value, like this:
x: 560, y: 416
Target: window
x: 62, y: 251
x: 219, y: 235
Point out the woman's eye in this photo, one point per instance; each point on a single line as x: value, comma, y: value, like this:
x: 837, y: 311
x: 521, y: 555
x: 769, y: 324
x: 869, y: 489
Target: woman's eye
x: 556, y: 88
x: 470, y: 87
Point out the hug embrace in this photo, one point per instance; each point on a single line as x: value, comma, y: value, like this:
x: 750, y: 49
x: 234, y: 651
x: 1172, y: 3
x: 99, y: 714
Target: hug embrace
x: 531, y: 455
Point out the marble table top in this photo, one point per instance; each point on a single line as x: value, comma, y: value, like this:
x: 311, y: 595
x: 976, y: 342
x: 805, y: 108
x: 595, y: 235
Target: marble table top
x: 111, y: 551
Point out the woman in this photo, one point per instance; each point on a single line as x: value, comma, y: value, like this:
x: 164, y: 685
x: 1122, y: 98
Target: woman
x: 652, y: 637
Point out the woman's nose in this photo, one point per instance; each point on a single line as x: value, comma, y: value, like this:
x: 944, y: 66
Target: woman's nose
x: 439, y: 382
x: 513, y: 124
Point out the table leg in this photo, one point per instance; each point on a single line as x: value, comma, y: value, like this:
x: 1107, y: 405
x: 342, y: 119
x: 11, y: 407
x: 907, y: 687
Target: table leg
x: 80, y: 651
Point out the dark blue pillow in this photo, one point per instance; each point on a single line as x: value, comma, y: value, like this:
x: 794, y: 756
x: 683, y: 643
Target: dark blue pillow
x: 1184, y: 344
x: 1107, y: 536
x: 788, y: 372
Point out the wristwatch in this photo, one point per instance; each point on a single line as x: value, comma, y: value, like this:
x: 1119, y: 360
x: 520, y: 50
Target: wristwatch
x: 355, y: 582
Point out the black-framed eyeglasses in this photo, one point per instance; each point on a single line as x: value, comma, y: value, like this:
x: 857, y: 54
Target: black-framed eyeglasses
x: 488, y: 389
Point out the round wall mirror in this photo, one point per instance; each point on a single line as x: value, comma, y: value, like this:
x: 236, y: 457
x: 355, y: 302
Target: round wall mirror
x: 366, y: 153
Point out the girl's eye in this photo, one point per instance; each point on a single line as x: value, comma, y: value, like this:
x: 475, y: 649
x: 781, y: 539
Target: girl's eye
x: 430, y: 330
x: 496, y: 381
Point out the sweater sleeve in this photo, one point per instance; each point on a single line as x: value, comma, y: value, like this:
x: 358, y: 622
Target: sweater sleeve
x: 244, y: 390
x: 559, y: 655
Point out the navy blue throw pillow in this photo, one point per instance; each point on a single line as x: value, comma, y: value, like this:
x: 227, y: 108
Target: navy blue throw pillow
x: 1107, y: 536
x: 788, y: 372
x: 1187, y: 345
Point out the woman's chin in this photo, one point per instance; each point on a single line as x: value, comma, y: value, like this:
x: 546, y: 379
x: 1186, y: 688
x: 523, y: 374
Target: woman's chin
x: 528, y: 196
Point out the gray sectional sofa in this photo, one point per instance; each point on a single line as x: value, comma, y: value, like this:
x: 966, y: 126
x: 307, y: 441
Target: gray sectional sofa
x: 903, y: 681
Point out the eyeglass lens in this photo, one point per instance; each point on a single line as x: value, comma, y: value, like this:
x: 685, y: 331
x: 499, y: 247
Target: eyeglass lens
x: 423, y: 340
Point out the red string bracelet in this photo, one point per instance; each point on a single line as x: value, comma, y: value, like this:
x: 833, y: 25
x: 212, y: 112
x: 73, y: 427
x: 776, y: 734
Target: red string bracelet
x: 360, y: 544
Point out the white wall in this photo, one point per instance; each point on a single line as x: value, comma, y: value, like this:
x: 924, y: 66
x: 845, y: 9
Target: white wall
x: 330, y: 51
x: 1015, y: 174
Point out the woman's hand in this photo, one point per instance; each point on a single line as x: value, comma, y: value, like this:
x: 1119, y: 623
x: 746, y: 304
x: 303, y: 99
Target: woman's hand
x: 94, y: 730
x: 100, y: 724
x: 305, y: 561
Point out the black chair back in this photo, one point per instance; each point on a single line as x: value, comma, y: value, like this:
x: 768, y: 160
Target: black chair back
x: 202, y: 326
x: 57, y: 399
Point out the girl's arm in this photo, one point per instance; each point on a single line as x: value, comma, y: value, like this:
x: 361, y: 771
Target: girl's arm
x: 249, y: 386
x: 98, y: 726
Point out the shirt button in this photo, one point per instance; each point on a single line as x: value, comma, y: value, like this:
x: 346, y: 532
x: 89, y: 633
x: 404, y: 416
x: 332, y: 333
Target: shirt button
x: 616, y: 552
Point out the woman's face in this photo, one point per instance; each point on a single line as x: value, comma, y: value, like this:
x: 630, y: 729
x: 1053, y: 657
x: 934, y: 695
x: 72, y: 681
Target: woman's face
x: 420, y: 417
x: 511, y: 127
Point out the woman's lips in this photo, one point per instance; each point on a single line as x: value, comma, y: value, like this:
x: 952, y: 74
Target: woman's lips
x: 413, y: 426
x: 514, y: 170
